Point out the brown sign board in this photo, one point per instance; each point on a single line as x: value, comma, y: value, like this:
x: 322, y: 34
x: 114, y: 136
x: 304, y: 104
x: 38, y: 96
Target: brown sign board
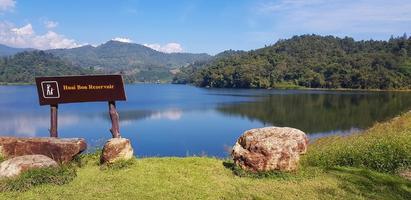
x: 71, y: 89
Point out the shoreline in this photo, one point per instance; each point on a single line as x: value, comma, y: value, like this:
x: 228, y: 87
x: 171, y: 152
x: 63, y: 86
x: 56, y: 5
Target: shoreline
x: 279, y: 88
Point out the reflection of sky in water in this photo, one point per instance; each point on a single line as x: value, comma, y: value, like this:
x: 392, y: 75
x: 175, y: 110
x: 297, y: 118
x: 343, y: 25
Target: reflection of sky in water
x: 27, y: 125
x: 335, y: 132
x: 170, y: 120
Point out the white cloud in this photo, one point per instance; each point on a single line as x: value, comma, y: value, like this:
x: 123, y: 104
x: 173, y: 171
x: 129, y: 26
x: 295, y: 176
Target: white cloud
x: 122, y: 39
x: 53, y: 40
x: 25, y: 36
x: 50, y: 24
x: 167, y: 48
x: 25, y: 30
x: 7, y: 5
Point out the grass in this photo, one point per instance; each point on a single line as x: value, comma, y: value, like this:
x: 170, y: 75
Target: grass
x: 386, y: 147
x: 119, y: 164
x: 29, y: 179
x: 209, y: 178
x: 352, y: 167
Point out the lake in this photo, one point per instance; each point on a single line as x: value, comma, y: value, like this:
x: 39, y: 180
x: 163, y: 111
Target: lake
x: 181, y: 120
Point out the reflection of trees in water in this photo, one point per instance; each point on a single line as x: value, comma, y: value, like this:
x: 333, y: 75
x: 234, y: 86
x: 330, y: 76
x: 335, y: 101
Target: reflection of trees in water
x: 314, y: 113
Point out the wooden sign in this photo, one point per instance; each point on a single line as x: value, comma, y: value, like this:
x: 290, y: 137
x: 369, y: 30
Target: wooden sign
x: 70, y: 89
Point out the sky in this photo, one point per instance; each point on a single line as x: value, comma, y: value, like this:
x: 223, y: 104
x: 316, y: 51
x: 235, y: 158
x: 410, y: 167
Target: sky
x: 195, y: 26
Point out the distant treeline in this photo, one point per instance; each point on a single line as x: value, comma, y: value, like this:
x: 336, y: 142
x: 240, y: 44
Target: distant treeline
x: 309, y: 61
x: 23, y: 67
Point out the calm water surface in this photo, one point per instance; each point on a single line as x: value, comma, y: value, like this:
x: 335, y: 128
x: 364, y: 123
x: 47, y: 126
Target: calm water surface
x: 180, y: 120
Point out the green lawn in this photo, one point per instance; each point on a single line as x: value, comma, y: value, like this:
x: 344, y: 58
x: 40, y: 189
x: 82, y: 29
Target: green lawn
x: 211, y: 178
x: 208, y: 178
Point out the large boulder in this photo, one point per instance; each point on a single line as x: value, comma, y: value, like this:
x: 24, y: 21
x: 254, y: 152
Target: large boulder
x: 15, y: 166
x: 60, y: 150
x: 116, y: 149
x: 270, y: 148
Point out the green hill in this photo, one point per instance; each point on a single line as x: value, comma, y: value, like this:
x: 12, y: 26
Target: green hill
x: 23, y: 67
x: 120, y: 55
x: 311, y: 61
x: 137, y: 62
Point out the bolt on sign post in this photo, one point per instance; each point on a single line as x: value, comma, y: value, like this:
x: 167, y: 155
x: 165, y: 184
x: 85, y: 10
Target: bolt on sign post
x: 71, y: 89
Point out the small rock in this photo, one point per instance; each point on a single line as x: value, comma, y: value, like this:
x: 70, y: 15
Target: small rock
x: 270, y: 148
x: 116, y: 149
x: 15, y: 166
x: 61, y: 150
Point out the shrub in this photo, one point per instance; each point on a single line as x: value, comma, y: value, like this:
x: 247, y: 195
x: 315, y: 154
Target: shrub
x: 120, y: 164
x: 89, y: 158
x: 305, y: 172
x: 58, y: 176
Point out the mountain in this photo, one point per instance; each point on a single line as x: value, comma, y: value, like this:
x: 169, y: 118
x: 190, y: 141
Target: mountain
x: 136, y: 62
x: 311, y: 61
x: 23, y: 67
x: 120, y: 55
x: 8, y: 51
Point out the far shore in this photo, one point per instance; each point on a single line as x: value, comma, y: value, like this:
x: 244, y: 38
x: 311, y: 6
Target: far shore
x: 274, y: 88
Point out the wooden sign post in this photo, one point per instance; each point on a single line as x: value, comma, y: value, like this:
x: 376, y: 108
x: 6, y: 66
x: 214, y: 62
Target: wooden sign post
x: 53, y: 120
x: 71, y: 89
x: 115, y: 125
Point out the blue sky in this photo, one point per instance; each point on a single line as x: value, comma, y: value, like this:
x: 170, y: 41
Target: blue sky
x: 209, y: 26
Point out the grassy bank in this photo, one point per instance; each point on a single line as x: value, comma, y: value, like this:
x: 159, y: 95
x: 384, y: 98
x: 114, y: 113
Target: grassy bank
x: 208, y: 178
x: 386, y: 147
x: 353, y: 167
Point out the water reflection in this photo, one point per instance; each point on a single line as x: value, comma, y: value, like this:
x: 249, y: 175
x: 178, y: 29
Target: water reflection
x: 353, y: 130
x: 130, y: 117
x: 31, y: 125
x: 322, y: 113
x: 171, y: 114
x: 176, y: 120
x: 22, y: 124
x: 168, y: 113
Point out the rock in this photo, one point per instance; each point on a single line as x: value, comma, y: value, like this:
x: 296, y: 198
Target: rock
x: 270, y: 148
x: 116, y: 149
x: 61, y: 150
x: 15, y: 166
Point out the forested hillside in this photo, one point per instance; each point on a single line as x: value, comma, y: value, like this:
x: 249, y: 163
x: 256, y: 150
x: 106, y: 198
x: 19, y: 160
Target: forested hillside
x: 23, y: 67
x: 136, y: 62
x: 309, y: 61
x: 119, y: 55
